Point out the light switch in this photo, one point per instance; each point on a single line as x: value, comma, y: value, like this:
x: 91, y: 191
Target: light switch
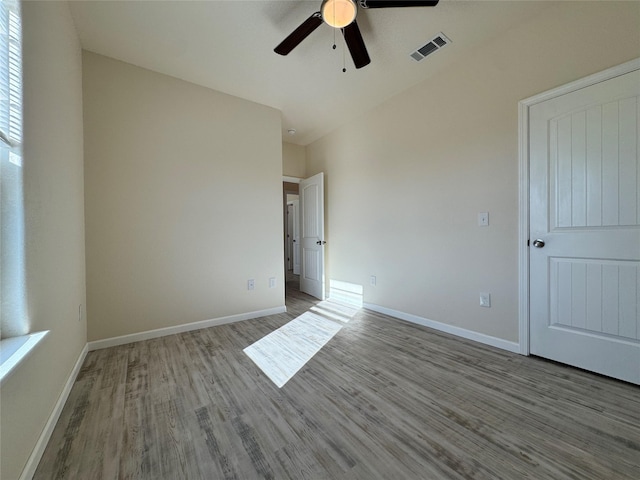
x: 483, y: 219
x: 485, y: 299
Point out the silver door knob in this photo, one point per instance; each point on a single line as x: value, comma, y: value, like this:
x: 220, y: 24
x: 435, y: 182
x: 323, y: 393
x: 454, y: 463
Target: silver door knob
x: 538, y: 243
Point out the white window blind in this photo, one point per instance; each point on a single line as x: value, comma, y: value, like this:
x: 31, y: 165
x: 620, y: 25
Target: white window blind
x: 12, y: 285
x: 10, y: 75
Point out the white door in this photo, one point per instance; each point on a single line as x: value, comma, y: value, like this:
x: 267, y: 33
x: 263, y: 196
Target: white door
x: 584, y: 228
x: 295, y: 215
x: 312, y: 233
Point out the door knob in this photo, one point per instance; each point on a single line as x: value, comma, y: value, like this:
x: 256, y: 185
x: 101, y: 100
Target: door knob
x: 320, y: 242
x: 538, y: 243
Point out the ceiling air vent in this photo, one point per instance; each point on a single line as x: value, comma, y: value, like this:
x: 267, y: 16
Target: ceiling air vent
x: 436, y: 43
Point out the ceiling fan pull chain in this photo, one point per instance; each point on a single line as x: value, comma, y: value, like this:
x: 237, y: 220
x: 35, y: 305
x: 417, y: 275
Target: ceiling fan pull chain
x: 334, y: 35
x: 344, y: 62
x: 334, y: 30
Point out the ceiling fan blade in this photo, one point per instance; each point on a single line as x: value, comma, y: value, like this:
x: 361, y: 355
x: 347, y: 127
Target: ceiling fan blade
x: 299, y: 34
x: 397, y: 3
x: 355, y: 44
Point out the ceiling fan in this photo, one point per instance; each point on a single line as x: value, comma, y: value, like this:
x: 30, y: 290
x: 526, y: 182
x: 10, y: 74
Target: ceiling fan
x: 342, y: 14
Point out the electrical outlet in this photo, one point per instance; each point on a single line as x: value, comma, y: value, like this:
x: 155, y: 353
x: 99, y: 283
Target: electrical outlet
x: 272, y: 282
x: 373, y: 280
x: 483, y: 219
x: 251, y: 284
x: 485, y: 299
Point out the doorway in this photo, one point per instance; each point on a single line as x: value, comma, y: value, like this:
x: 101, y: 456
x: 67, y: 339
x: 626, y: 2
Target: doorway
x: 304, y: 244
x: 291, y: 222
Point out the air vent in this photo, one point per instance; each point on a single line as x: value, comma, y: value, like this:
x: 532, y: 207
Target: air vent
x: 436, y: 43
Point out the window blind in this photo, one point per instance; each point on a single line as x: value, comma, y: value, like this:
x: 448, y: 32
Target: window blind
x: 10, y: 75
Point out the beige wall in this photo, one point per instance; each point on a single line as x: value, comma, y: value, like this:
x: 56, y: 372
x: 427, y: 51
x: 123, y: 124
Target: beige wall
x: 183, y: 198
x: 293, y: 160
x: 54, y: 227
x: 406, y: 181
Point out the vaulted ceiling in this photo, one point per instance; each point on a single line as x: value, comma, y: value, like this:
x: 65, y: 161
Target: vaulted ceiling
x: 228, y: 46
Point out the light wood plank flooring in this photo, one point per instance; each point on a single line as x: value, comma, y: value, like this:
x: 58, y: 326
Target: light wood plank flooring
x: 383, y: 399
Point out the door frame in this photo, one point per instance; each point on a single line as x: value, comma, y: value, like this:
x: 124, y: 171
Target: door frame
x: 286, y: 179
x: 523, y: 183
x: 289, y: 237
x: 295, y: 244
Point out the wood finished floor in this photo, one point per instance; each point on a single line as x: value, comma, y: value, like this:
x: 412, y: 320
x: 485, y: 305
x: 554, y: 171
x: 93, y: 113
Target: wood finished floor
x: 383, y: 399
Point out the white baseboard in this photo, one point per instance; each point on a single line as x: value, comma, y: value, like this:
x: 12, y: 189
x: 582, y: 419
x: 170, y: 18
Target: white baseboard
x: 187, y: 327
x: 513, y: 347
x: 41, y: 444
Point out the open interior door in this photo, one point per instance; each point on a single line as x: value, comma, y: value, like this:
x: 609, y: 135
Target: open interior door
x: 312, y: 236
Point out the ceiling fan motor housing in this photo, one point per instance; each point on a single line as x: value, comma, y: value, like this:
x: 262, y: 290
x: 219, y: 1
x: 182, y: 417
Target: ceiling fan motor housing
x: 338, y: 13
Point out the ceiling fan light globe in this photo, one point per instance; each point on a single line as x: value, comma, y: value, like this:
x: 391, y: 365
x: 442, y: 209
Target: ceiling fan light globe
x: 338, y: 13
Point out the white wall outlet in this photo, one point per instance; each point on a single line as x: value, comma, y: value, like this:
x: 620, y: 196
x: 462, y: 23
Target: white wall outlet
x: 483, y: 219
x: 251, y: 284
x: 485, y: 299
x: 373, y: 280
x: 272, y: 282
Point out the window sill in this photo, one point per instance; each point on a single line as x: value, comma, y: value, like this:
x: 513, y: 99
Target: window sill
x: 14, y: 350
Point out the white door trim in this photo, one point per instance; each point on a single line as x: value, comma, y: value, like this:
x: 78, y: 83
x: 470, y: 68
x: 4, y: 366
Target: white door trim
x: 523, y: 178
x: 288, y: 179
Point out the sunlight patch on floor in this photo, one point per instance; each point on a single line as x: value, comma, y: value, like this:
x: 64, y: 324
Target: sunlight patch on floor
x: 283, y: 352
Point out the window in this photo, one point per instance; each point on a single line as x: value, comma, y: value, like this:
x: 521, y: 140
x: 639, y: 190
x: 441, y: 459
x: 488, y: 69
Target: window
x: 11, y: 212
x: 15, y: 340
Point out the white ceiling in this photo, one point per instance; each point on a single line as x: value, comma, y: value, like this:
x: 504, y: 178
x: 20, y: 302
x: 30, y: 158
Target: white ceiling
x: 228, y: 46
